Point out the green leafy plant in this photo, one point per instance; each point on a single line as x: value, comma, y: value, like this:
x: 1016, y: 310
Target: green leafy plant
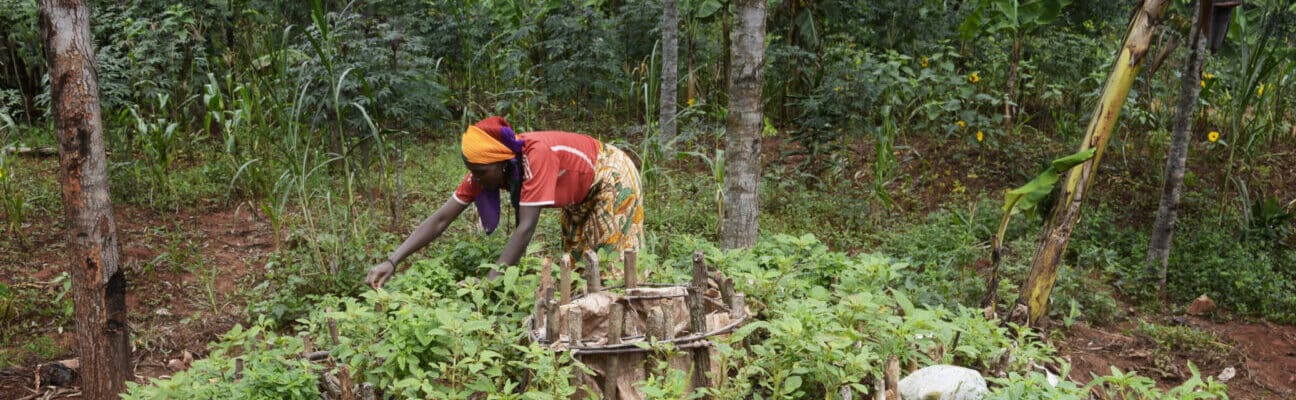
x: 13, y: 199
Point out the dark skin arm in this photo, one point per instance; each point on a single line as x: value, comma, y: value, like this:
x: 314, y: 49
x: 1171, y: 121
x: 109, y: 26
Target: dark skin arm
x: 529, y: 216
x: 433, y: 226
x: 429, y: 230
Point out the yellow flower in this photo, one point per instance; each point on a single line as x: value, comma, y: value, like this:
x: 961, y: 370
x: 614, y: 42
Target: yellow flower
x: 1213, y: 136
x: 962, y: 123
x: 974, y: 77
x: 691, y: 102
x: 923, y: 62
x: 980, y: 136
x: 1260, y: 90
x: 1209, y: 76
x: 1203, y: 84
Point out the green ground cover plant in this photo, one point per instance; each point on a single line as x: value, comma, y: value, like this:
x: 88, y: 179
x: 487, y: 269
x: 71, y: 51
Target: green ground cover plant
x: 424, y: 336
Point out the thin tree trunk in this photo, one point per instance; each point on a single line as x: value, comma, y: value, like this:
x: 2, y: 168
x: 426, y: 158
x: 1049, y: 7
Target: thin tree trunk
x: 669, y: 70
x: 99, y: 286
x: 1033, y: 301
x: 1163, y: 230
x: 1010, y: 110
x: 726, y: 41
x: 743, y: 126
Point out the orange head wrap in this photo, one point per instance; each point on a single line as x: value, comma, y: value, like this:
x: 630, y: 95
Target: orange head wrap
x: 490, y: 140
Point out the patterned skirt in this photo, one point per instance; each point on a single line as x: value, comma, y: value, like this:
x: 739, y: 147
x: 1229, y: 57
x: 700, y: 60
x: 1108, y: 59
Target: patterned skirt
x: 611, y: 217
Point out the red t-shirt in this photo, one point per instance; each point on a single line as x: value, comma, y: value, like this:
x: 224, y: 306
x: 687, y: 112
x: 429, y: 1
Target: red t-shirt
x: 562, y: 170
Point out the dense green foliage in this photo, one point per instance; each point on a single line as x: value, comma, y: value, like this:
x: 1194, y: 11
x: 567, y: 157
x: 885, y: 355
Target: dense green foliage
x: 424, y: 337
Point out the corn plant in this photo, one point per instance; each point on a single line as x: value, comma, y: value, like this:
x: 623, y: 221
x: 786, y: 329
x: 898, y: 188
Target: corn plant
x: 13, y: 199
x: 1248, y: 122
x: 160, y: 139
x: 717, y: 166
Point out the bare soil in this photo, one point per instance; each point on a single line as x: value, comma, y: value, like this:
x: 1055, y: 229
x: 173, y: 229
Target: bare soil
x: 188, y: 274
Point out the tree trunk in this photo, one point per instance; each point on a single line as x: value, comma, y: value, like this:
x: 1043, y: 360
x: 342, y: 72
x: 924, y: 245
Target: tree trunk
x: 1162, y: 231
x: 1010, y: 109
x: 99, y: 287
x: 1033, y: 301
x: 743, y: 126
x: 669, y: 70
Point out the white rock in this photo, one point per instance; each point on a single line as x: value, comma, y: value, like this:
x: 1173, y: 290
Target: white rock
x: 943, y: 382
x: 1227, y: 374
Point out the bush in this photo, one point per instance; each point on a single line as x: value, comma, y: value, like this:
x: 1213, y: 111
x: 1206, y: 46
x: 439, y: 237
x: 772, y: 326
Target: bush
x: 422, y: 338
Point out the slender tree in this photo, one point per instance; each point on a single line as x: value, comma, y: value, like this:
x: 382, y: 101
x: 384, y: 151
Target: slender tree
x: 743, y: 126
x: 1033, y: 301
x: 669, y: 70
x: 99, y: 286
x: 1158, y: 258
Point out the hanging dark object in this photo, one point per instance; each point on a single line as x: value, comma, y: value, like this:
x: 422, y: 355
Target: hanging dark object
x: 1215, y: 24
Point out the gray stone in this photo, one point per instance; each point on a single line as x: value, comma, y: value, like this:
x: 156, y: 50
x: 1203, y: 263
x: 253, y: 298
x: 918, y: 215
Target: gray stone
x: 943, y: 382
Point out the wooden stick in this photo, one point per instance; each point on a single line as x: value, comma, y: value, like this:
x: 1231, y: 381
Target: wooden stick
x: 617, y: 315
x: 238, y: 369
x: 551, y: 317
x: 697, y: 317
x: 367, y: 391
x: 37, y: 151
x: 574, y: 331
x: 593, y: 277
x: 657, y: 325
x: 333, y: 331
x: 307, y: 346
x: 564, y: 279
x: 631, y: 272
x: 658, y: 330
x: 726, y: 288
x: 879, y: 386
x: 892, y: 374
x: 738, y: 306
x: 344, y: 380
x: 546, y: 269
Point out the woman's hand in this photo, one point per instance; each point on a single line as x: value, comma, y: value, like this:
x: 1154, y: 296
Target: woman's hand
x: 379, y: 274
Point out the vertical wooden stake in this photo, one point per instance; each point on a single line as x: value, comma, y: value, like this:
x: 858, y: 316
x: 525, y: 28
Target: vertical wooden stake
x: 367, y: 391
x: 307, y: 346
x: 574, y: 339
x: 631, y: 272
x: 738, y: 306
x: 344, y: 380
x: 879, y: 388
x: 593, y: 277
x: 658, y: 329
x: 697, y: 321
x: 616, y: 330
x: 546, y: 269
x: 892, y: 374
x: 656, y: 325
x: 574, y: 331
x: 617, y: 315
x: 726, y: 288
x: 564, y: 279
x: 238, y: 369
x: 551, y: 317
x: 333, y: 331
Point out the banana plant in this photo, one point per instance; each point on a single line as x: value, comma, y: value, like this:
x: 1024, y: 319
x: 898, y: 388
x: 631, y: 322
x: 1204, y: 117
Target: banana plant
x: 1034, y: 298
